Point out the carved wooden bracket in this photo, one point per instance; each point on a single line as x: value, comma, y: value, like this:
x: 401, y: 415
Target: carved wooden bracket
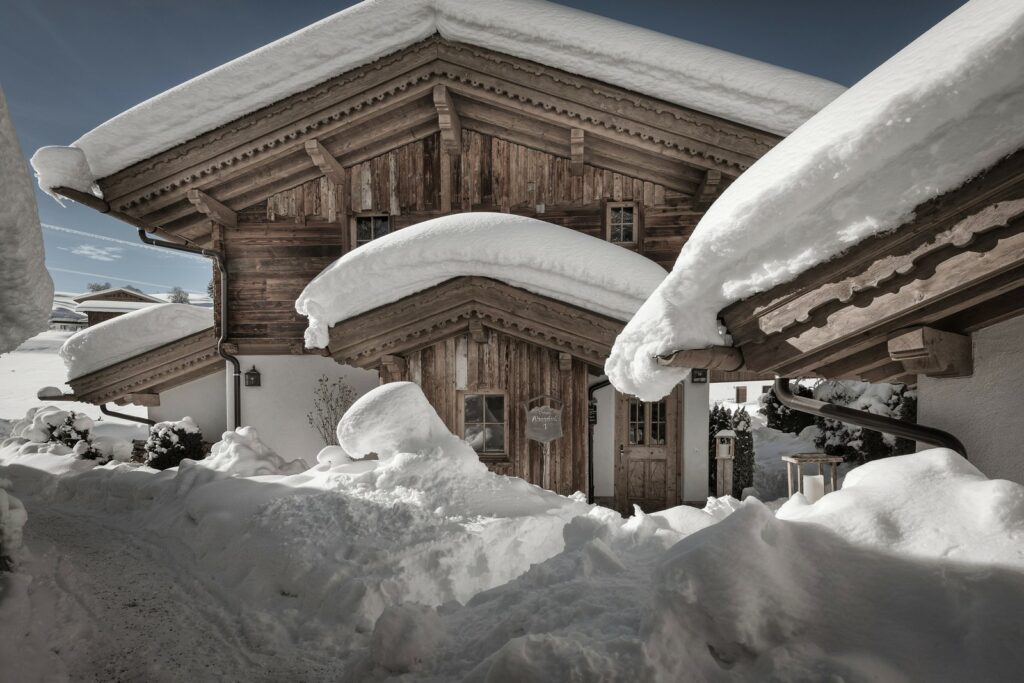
x: 326, y: 162
x: 148, y: 400
x: 230, y: 347
x: 213, y: 209
x: 576, y: 146
x: 477, y: 332
x: 564, y: 362
x: 392, y: 368
x: 448, y: 120
x: 931, y: 352
x: 708, y: 189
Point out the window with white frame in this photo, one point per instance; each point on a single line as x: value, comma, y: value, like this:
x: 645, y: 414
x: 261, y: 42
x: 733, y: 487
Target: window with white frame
x: 368, y: 228
x: 483, y: 422
x: 621, y: 219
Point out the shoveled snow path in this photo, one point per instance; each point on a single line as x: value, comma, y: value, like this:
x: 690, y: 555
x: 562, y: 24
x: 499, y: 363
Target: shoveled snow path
x: 110, y: 605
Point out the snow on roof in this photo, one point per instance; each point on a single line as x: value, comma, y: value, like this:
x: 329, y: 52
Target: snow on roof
x: 524, y: 252
x: 125, y: 336
x: 945, y: 108
x: 27, y: 293
x: 103, y: 292
x: 688, y: 74
x: 103, y: 306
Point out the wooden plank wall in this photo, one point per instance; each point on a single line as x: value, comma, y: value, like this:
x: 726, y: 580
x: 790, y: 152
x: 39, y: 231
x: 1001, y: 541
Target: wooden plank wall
x: 284, y: 241
x: 521, y: 371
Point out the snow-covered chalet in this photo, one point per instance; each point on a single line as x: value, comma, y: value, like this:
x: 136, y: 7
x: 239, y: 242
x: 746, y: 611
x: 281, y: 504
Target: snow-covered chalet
x: 473, y: 196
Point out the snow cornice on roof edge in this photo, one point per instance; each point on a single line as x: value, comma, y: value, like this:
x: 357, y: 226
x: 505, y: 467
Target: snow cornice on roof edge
x: 739, y: 89
x: 945, y: 108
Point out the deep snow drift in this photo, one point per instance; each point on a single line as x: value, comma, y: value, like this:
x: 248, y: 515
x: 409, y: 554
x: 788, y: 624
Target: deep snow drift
x: 524, y: 252
x: 120, y: 338
x: 946, y: 107
x: 27, y: 291
x: 420, y: 561
x: 691, y: 75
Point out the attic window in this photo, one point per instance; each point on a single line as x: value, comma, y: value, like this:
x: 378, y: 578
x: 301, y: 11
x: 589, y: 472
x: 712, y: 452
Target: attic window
x: 621, y: 221
x: 369, y: 228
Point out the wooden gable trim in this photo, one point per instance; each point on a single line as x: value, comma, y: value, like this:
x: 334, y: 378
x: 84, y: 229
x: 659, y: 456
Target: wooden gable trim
x: 465, y: 304
x: 403, y: 84
x: 957, y: 267
x: 137, y: 379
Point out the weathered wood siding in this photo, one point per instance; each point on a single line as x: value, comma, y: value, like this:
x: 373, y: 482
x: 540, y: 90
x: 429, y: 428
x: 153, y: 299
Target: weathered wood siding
x: 283, y: 242
x: 521, y: 371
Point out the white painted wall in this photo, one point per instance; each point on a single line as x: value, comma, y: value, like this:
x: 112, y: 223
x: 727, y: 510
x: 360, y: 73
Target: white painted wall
x: 278, y: 408
x: 984, y: 410
x: 201, y: 399
x: 695, y: 442
x: 725, y: 392
x: 604, y: 443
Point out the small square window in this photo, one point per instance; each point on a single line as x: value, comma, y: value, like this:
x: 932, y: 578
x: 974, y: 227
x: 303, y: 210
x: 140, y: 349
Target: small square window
x: 622, y: 223
x: 484, y: 423
x: 369, y: 228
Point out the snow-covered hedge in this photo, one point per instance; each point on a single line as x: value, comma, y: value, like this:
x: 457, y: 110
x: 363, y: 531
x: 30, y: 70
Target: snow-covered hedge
x: 171, y: 442
x: 857, y: 444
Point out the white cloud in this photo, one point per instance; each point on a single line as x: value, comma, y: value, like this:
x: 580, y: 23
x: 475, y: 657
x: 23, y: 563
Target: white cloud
x: 96, y: 253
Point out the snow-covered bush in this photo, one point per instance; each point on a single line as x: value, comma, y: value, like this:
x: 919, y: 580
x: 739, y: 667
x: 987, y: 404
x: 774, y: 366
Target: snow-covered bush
x: 171, y: 442
x: 12, y: 519
x: 241, y: 453
x: 743, y: 460
x: 857, y: 444
x: 781, y: 418
x: 330, y: 401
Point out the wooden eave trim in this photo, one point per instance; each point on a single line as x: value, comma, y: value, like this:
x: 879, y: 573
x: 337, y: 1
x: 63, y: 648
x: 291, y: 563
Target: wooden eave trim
x: 152, y: 371
x: 322, y: 109
x: 449, y: 308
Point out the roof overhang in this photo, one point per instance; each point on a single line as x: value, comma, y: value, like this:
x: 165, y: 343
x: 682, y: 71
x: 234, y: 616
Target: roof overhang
x: 141, y: 378
x: 957, y: 267
x: 466, y: 304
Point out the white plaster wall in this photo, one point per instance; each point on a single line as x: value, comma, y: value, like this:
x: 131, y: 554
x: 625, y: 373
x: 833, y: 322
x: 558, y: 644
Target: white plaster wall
x: 278, y: 408
x: 726, y: 391
x: 984, y: 410
x: 201, y: 399
x: 694, y: 471
x: 604, y: 443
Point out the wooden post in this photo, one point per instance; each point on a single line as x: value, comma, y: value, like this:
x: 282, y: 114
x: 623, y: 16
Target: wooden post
x: 576, y: 142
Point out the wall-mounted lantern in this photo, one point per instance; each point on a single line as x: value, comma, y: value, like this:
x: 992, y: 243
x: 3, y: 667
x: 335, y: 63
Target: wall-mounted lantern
x: 252, y: 377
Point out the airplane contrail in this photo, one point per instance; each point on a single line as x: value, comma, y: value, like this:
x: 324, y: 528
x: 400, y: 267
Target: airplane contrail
x: 111, y: 278
x: 128, y: 243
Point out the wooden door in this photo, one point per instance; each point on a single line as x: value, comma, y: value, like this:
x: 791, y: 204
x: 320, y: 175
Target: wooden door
x: 647, y: 440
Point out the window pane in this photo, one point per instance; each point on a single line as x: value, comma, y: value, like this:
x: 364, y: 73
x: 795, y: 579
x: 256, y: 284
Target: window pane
x: 494, y: 409
x: 474, y: 409
x: 381, y: 226
x: 364, y: 232
x: 475, y: 437
x: 626, y: 234
x: 659, y: 425
x: 495, y: 439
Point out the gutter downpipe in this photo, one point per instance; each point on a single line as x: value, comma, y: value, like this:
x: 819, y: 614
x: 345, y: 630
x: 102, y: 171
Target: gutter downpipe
x: 590, y: 439
x: 222, y: 267
x: 862, y: 418
x: 100, y: 205
x: 125, y: 416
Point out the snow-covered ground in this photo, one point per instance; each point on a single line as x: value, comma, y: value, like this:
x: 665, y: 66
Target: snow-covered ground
x: 418, y: 564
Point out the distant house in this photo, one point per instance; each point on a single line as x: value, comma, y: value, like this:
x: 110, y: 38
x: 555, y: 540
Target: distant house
x: 66, y: 319
x: 110, y: 303
x: 328, y: 141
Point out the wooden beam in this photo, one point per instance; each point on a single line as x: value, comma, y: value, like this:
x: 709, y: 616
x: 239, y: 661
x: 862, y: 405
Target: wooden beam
x: 326, y: 162
x: 213, y: 209
x: 724, y: 358
x: 928, y: 351
x: 576, y: 149
x: 564, y: 361
x: 477, y: 332
x: 392, y: 368
x: 448, y: 120
x: 148, y: 400
x: 708, y: 189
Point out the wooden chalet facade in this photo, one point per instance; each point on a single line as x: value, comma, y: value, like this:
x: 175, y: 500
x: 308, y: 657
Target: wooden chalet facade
x: 436, y: 128
x: 110, y: 303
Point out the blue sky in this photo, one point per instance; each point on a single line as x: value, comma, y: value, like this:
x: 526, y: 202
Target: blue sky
x: 68, y: 65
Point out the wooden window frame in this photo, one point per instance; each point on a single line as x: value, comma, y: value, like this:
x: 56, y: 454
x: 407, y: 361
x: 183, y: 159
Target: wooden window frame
x: 647, y: 407
x: 354, y: 219
x: 635, y: 206
x: 502, y: 457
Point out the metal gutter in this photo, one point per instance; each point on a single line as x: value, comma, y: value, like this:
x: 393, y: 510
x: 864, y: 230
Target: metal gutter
x: 590, y: 438
x: 861, y: 418
x: 125, y: 416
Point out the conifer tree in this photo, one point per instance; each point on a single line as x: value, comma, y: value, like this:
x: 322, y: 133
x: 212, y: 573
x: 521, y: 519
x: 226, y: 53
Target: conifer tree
x: 743, y: 462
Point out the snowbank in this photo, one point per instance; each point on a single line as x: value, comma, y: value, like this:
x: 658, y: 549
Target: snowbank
x: 688, y: 74
x: 120, y: 338
x: 242, y: 454
x: 27, y: 292
x: 943, y: 109
x: 524, y: 252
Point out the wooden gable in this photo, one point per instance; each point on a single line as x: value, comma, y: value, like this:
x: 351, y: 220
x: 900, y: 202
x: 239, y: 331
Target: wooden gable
x: 467, y: 305
x: 957, y: 267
